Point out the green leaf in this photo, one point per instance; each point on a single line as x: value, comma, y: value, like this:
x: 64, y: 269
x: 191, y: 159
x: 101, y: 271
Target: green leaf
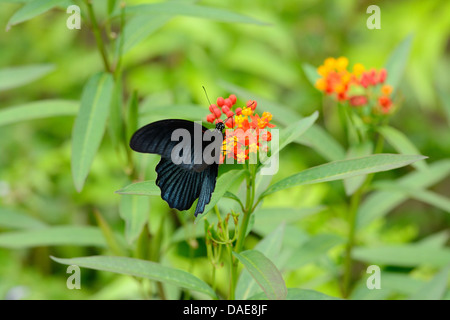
x: 401, y: 144
x: 270, y: 246
x: 311, y: 73
x: 400, y: 282
x: 140, y: 27
x: 299, y: 294
x: 396, y: 63
x: 313, y: 249
x: 13, y: 219
x: 404, y: 255
x: 53, y: 236
x: 13, y: 77
x: 361, y: 150
x: 143, y: 269
x: 38, y: 110
x: 31, y: 10
x: 343, y: 169
x: 134, y: 210
x: 144, y: 188
x: 90, y: 125
x: 426, y: 196
x: 264, y: 272
x: 324, y: 144
x: 379, y: 203
x: 191, y: 10
x: 435, y: 288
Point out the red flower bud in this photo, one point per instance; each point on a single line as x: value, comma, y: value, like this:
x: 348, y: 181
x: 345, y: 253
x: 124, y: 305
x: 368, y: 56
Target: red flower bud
x: 228, y: 102
x: 212, y: 107
x: 382, y: 75
x: 210, y: 118
x: 229, y: 114
x: 233, y: 99
x: 251, y: 104
x: 220, y: 101
x: 225, y: 109
x: 230, y: 123
x: 238, y: 111
x: 217, y: 112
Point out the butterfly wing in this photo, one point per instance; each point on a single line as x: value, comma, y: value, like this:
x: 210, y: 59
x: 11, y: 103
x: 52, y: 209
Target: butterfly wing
x: 208, y: 186
x: 156, y: 137
x: 181, y: 183
x: 180, y: 187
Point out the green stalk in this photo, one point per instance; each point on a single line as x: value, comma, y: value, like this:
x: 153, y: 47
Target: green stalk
x: 353, y: 211
x: 98, y: 36
x: 248, y: 210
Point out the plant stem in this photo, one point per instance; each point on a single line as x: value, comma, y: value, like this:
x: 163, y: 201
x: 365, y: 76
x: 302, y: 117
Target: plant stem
x: 248, y: 210
x: 98, y: 36
x: 354, y: 205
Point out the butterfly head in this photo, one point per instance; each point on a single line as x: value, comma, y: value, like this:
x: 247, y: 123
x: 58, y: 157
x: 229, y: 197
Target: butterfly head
x: 220, y: 126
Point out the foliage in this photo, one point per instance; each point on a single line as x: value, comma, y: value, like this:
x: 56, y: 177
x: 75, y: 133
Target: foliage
x: 350, y: 191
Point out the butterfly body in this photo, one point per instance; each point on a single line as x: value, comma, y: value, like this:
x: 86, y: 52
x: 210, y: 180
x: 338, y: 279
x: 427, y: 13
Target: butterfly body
x: 184, y: 172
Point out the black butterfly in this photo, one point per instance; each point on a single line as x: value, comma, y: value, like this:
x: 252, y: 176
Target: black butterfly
x: 184, y: 173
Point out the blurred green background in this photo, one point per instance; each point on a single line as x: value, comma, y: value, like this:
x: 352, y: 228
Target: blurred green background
x: 169, y: 67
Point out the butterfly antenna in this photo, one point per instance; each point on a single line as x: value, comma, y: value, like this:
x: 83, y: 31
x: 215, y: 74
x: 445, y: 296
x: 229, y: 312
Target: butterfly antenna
x: 206, y: 94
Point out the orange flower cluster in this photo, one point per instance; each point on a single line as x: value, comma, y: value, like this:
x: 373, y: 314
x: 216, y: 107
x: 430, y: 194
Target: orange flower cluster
x: 358, y: 87
x: 246, y: 129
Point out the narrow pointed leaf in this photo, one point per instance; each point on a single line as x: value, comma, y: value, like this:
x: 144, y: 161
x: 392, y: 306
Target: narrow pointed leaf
x: 143, y: 269
x: 401, y: 144
x: 13, y: 219
x: 264, y: 272
x: 144, y: 188
x: 90, y: 125
x: 270, y: 246
x: 379, y: 203
x: 38, y: 110
x: 13, y: 77
x: 53, y: 236
x: 343, y: 169
x: 31, y: 10
x: 396, y: 63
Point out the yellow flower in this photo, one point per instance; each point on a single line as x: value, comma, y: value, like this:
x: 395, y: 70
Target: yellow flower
x: 323, y: 71
x: 247, y: 111
x: 239, y: 120
x: 358, y: 69
x: 341, y: 63
x: 330, y: 63
x: 253, y: 147
x: 321, y: 84
x: 267, y: 116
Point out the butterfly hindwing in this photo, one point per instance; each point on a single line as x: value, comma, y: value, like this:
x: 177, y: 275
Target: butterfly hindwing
x: 179, y: 187
x: 207, y: 188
